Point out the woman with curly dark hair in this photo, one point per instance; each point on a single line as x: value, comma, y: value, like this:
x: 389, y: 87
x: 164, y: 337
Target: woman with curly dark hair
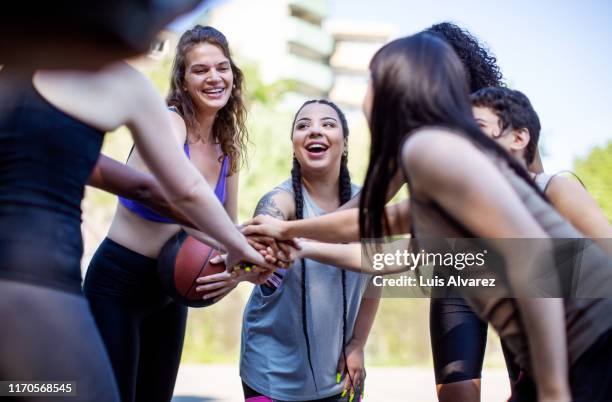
x: 142, y: 328
x: 479, y: 63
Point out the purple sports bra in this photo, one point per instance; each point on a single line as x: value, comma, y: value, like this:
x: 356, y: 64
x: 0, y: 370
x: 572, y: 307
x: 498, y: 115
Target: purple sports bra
x: 148, y: 214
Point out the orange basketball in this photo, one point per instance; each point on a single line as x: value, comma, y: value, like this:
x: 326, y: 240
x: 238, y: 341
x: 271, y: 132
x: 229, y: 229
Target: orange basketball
x: 182, y: 260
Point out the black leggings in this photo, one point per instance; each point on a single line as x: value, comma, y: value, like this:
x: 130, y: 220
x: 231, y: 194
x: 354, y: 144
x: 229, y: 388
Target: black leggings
x: 458, y: 341
x: 142, y: 328
x: 49, y: 335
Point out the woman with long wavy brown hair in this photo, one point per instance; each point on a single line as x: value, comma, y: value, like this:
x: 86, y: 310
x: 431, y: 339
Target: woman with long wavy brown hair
x: 142, y: 328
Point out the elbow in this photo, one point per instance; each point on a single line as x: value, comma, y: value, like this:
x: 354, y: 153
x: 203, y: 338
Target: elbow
x: 185, y: 192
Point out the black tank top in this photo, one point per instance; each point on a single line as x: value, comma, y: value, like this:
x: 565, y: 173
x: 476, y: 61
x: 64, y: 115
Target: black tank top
x: 46, y: 158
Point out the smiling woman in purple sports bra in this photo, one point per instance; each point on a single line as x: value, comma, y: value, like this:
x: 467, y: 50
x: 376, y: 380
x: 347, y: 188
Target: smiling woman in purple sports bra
x: 142, y: 328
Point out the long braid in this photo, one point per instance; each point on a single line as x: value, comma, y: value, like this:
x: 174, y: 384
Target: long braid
x: 345, y: 195
x: 296, y: 180
x: 345, y: 180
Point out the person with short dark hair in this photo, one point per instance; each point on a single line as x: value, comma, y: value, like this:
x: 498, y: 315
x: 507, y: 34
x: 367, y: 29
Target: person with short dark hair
x: 508, y: 117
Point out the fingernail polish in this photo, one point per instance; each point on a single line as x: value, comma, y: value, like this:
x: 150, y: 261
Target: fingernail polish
x: 338, y: 377
x: 352, y: 397
x: 343, y: 394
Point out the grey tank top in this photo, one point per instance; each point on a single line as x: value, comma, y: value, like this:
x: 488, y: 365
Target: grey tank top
x: 587, y: 318
x: 273, y: 358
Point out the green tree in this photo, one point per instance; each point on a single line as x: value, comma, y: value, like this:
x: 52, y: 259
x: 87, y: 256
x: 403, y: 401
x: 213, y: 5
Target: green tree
x: 595, y: 171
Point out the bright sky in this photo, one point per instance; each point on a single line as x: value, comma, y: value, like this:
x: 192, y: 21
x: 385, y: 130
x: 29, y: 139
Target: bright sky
x: 558, y: 52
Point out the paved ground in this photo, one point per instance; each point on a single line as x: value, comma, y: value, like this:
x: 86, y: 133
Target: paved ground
x: 220, y: 383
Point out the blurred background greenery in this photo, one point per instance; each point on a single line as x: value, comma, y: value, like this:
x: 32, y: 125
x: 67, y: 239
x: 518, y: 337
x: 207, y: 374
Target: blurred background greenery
x: 401, y: 332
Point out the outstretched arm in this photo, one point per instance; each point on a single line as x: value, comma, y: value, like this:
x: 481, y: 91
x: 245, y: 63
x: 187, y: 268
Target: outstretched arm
x: 336, y: 227
x: 346, y: 256
x: 116, y: 178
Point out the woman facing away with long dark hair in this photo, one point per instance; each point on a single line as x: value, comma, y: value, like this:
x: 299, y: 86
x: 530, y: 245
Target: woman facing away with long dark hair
x: 462, y: 184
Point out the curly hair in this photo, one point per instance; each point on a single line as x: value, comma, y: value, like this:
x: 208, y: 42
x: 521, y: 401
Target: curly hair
x: 479, y: 63
x: 229, y: 128
x: 514, y: 111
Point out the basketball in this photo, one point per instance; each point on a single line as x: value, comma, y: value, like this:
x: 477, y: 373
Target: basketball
x: 182, y: 260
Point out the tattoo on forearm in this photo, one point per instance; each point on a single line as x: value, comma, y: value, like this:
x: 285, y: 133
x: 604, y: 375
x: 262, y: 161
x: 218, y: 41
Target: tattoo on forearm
x: 267, y: 206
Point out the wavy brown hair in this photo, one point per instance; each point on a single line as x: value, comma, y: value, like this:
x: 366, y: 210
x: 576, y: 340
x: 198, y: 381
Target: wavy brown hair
x: 229, y: 128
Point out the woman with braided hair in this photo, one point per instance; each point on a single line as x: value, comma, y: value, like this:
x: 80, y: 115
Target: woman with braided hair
x: 305, y: 329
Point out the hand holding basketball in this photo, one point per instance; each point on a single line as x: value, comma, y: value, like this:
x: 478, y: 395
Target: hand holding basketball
x: 218, y: 285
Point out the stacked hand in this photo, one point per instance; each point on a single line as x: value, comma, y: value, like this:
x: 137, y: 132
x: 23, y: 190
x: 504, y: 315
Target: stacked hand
x: 276, y: 230
x: 275, y: 254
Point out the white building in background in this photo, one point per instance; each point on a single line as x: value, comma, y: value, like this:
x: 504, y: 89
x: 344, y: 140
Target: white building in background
x: 355, y: 44
x: 284, y: 38
x: 294, y: 40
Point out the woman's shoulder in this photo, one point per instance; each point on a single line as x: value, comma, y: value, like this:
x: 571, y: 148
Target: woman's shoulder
x: 433, y: 144
x: 285, y: 186
x: 104, y: 99
x: 277, y: 202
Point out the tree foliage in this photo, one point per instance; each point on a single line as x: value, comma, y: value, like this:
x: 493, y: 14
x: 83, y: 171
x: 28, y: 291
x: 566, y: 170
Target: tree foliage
x: 595, y: 170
